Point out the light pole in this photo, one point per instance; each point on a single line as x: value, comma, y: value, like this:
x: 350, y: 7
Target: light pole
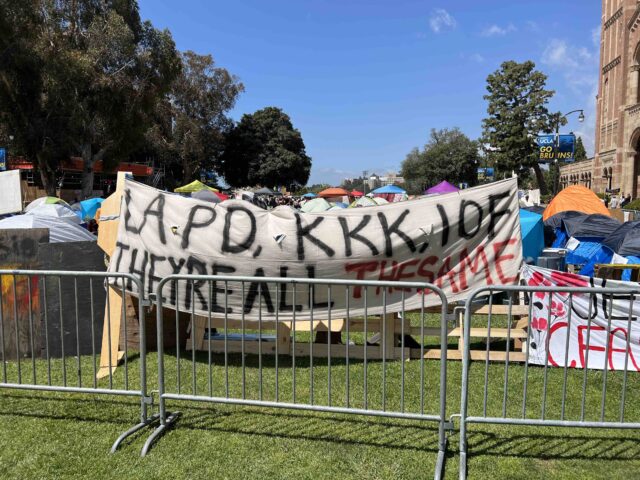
x: 556, y: 176
x: 364, y: 181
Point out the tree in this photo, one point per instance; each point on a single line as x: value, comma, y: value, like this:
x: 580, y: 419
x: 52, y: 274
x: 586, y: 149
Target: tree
x: 81, y: 77
x: 31, y: 105
x: 265, y: 149
x: 517, y: 110
x: 448, y: 155
x: 191, y: 122
x: 580, y: 152
x: 117, y: 68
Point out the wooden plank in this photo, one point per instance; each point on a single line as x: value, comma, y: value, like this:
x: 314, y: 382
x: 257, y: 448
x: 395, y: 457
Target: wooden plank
x: 516, y: 310
x: 495, y: 333
x: 340, y: 351
x: 476, y: 355
x: 112, y: 322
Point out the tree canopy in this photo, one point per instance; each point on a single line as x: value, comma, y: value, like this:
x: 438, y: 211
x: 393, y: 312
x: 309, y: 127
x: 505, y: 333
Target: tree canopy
x: 517, y: 112
x: 89, y: 78
x: 448, y: 155
x: 580, y: 152
x: 191, y: 122
x: 265, y: 149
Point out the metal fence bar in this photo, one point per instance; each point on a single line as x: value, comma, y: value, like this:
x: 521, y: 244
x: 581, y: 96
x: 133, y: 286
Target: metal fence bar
x: 556, y: 299
x: 35, y: 307
x: 392, y: 331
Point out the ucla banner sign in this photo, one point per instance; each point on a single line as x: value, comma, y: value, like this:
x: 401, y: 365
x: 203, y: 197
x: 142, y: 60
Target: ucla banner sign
x: 552, y: 147
x: 457, y: 241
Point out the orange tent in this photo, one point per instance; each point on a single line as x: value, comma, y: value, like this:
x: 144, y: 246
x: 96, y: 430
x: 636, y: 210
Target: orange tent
x: 333, y: 192
x: 577, y: 198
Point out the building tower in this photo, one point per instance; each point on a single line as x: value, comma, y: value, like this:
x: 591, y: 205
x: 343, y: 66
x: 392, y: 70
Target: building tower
x: 617, y: 137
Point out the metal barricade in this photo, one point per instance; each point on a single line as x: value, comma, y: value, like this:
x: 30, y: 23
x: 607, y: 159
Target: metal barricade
x: 344, y: 370
x: 48, y: 337
x: 552, y: 386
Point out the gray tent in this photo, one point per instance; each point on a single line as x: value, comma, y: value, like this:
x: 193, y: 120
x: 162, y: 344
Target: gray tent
x: 266, y: 191
x: 625, y: 240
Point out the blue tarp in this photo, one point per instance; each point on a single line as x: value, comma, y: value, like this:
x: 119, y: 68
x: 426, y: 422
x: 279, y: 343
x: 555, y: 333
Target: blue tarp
x: 89, y: 207
x: 561, y: 239
x: 389, y: 189
x: 603, y: 255
x: 309, y: 195
x: 584, y: 252
x: 532, y: 228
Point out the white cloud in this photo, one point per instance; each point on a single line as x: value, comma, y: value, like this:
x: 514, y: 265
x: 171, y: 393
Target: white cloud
x: 498, y: 31
x: 441, y: 20
x: 595, y: 37
x: 556, y: 54
x: 476, y: 57
x: 533, y: 26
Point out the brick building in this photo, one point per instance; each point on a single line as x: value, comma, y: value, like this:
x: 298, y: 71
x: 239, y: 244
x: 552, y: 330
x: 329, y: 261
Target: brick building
x: 616, y: 163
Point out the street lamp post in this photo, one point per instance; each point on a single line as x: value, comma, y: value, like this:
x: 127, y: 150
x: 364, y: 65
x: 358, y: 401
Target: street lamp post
x: 364, y: 182
x: 556, y: 169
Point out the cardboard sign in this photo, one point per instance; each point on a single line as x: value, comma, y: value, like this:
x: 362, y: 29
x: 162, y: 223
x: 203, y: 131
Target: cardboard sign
x: 602, y: 329
x: 457, y: 241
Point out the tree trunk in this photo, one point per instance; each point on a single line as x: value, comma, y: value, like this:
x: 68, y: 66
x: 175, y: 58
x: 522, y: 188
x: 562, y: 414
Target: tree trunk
x: 47, y: 175
x: 87, y: 172
x: 187, y: 173
x: 540, y: 179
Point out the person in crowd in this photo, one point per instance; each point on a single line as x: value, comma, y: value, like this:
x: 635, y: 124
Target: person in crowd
x: 625, y: 201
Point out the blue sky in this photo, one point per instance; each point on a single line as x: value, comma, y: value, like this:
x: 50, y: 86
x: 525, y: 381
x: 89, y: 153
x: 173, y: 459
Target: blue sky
x: 365, y: 81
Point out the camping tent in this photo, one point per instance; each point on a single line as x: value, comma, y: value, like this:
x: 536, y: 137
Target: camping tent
x: 625, y: 240
x: 380, y: 201
x: 532, y: 235
x: 363, y: 202
x: 555, y: 221
x: 592, y: 226
x: 207, y: 196
x: 442, y: 187
x: 44, y: 200
x: 356, y: 193
x: 60, y: 229
x: 309, y: 195
x: 194, y: 186
x: 316, y: 205
x: 387, y: 189
x: 578, y: 198
x: 266, y: 191
x: 333, y: 192
x: 56, y: 210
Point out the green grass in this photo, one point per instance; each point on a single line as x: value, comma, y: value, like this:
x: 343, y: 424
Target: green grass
x: 53, y: 435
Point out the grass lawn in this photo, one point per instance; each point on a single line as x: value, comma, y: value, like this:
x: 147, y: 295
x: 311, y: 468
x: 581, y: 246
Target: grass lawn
x: 52, y: 435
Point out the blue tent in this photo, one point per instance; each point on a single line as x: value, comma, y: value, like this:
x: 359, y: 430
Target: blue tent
x: 532, y: 235
x: 89, y: 207
x: 309, y: 195
x: 389, y: 189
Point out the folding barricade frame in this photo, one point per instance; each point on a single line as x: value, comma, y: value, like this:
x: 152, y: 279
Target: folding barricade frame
x: 37, y: 280
x: 523, y: 419
x: 167, y: 418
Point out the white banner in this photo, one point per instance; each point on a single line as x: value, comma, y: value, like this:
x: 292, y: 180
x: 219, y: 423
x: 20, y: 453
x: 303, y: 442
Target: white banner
x: 602, y: 329
x: 10, y: 192
x: 458, y: 241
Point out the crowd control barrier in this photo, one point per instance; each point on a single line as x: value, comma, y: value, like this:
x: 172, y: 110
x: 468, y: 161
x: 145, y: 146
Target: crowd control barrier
x: 562, y: 331
x: 48, y: 337
x: 552, y: 356
x: 308, y: 311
